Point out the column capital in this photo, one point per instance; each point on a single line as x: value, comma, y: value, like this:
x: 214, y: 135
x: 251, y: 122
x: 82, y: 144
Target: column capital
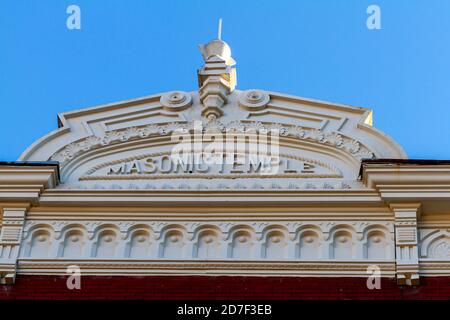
x: 405, y: 206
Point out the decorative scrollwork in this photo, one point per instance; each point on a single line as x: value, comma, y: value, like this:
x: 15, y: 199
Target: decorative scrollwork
x: 92, y: 142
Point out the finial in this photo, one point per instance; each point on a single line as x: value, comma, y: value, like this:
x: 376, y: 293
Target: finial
x: 217, y: 78
x: 219, y: 32
x: 217, y: 48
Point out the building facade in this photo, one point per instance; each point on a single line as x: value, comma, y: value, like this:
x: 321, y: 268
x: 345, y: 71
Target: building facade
x: 223, y: 193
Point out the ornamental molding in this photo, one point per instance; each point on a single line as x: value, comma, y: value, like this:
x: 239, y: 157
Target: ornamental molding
x: 157, y: 226
x: 352, y: 241
x: 55, y: 234
x: 71, y: 151
x: 429, y: 267
x: 173, y: 185
x: 270, y: 268
x: 323, y: 241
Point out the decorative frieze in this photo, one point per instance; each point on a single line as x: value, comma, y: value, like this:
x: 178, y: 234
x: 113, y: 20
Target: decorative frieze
x: 219, y: 184
x: 338, y: 140
x: 216, y: 240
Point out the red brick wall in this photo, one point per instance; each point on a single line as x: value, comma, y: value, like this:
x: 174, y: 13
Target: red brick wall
x: 222, y: 287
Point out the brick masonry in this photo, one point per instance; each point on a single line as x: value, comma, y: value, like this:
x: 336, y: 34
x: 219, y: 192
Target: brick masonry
x: 221, y: 287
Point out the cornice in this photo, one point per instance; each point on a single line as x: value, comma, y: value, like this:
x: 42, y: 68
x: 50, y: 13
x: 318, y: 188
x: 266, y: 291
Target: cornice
x: 202, y: 267
x: 404, y: 182
x: 394, y: 175
x: 406, y: 207
x: 429, y: 267
x: 26, y: 182
x: 277, y: 212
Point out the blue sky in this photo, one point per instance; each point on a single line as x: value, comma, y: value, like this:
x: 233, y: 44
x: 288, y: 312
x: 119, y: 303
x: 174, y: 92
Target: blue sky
x: 319, y: 49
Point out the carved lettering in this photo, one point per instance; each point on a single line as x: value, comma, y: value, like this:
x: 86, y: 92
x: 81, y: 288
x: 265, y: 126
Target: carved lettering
x: 117, y: 169
x: 186, y: 164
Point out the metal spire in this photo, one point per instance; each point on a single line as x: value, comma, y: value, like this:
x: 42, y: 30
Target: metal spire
x: 219, y: 32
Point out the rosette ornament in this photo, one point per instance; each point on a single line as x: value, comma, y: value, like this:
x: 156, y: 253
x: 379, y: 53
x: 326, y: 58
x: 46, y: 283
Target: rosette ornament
x: 176, y: 101
x: 253, y: 100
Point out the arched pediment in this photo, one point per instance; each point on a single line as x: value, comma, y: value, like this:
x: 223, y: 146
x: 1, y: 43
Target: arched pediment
x: 115, y: 143
x: 130, y: 144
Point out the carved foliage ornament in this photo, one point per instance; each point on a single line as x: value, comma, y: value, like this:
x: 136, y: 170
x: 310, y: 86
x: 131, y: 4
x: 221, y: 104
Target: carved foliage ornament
x: 338, y: 140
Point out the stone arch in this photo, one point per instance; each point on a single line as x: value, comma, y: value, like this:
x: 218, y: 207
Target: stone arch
x: 343, y: 239
x: 173, y: 242
x: 376, y: 243
x: 39, y: 241
x: 140, y: 242
x: 343, y: 226
x: 106, y: 242
x: 73, y: 241
x: 275, y: 245
x: 207, y: 242
x: 436, y: 245
x: 241, y: 242
x: 309, y: 240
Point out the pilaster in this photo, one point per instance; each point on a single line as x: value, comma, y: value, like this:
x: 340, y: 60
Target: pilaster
x: 406, y: 244
x: 10, y: 237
